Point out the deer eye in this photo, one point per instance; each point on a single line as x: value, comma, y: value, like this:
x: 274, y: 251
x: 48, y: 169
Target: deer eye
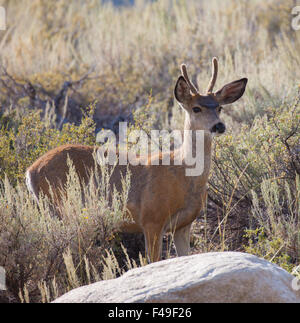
x: 196, y: 110
x: 220, y: 109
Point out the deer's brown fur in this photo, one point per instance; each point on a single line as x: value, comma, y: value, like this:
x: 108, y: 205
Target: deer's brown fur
x: 161, y: 198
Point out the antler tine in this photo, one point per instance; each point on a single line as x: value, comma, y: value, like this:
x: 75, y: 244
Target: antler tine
x: 213, y: 79
x: 186, y: 77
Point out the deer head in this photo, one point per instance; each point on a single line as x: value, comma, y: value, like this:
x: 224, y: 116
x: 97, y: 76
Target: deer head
x: 203, y: 111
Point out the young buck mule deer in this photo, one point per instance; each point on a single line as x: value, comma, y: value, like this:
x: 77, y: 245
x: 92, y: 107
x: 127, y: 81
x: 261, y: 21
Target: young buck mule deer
x: 161, y: 198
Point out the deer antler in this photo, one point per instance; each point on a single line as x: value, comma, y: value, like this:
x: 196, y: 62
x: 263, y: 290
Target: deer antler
x: 186, y: 77
x: 213, y: 79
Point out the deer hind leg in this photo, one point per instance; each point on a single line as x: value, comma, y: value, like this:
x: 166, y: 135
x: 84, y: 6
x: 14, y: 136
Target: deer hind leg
x: 182, y: 240
x: 153, y: 241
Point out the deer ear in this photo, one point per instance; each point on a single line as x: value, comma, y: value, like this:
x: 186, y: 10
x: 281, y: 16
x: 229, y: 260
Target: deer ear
x: 231, y: 91
x: 182, y: 90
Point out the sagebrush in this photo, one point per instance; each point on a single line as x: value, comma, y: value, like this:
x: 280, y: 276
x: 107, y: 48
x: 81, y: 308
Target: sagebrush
x: 70, y: 69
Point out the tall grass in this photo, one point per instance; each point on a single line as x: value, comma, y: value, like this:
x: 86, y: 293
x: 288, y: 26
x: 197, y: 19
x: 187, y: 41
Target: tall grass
x: 138, y: 49
x: 57, y: 57
x: 40, y: 250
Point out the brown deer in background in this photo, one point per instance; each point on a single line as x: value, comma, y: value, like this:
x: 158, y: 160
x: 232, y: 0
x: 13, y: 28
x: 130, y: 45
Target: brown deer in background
x: 161, y: 198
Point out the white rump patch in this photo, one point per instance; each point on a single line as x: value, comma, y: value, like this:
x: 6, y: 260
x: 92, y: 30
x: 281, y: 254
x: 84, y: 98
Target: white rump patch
x: 30, y: 187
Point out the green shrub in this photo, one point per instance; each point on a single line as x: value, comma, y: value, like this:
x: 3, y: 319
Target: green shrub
x: 249, y: 161
x: 20, y: 146
x: 133, y: 52
x: 276, y: 216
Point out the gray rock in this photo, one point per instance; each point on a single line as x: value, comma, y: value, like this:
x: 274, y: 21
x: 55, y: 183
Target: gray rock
x: 212, y: 277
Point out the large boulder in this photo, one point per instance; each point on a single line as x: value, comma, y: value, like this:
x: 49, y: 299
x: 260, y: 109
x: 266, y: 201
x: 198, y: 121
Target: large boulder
x: 211, y: 277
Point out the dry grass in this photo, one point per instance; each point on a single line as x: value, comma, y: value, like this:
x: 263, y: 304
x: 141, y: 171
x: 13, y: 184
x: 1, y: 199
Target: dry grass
x: 127, y: 61
x: 135, y: 50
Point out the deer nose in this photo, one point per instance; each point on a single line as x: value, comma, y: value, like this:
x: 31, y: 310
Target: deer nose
x: 219, y: 128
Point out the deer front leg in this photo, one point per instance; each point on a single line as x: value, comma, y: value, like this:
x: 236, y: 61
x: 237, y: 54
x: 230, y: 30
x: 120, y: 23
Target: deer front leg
x: 182, y: 240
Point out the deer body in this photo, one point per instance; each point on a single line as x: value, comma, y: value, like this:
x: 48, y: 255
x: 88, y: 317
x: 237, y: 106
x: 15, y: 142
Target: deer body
x: 161, y: 198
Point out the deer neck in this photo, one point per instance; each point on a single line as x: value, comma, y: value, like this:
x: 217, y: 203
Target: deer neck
x: 196, y: 146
